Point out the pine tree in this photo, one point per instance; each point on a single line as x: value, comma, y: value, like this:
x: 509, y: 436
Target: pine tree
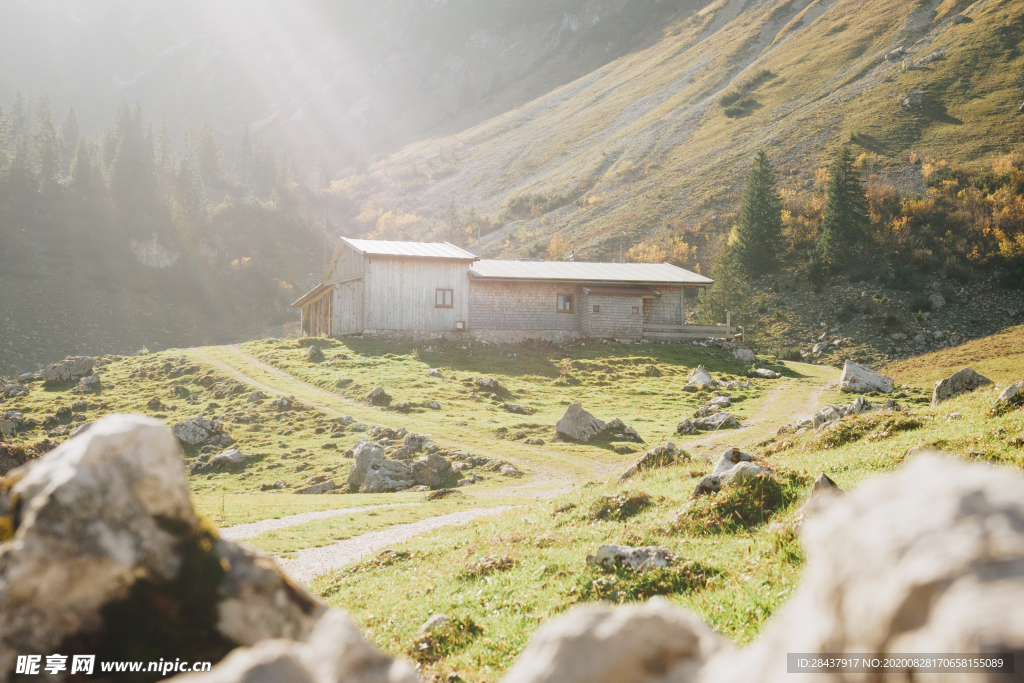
x: 211, y: 159
x: 70, y: 132
x: 845, y: 219
x: 47, y: 149
x: 245, y: 159
x: 759, y: 229
x: 133, y: 188
x: 86, y: 181
x: 265, y: 173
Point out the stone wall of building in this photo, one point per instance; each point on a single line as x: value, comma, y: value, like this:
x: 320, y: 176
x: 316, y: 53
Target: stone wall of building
x: 521, y: 306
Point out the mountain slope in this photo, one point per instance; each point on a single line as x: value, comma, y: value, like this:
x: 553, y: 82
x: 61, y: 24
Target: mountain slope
x: 643, y: 143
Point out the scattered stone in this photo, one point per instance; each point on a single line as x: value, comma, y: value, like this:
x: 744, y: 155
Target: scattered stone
x: 68, y: 370
x: 281, y: 403
x: 640, y: 559
x: 960, y: 382
x: 858, y: 379
x: 402, y: 407
x: 14, y: 390
x: 659, y: 456
x: 820, y: 347
x: 63, y: 413
x: 434, y: 372
x: 937, y: 300
x: 198, y: 431
x: 378, y: 397
x: 516, y: 408
x: 8, y: 428
x: 88, y: 384
x: 256, y: 396
x: 315, y: 485
x: 578, y: 424
x: 314, y: 354
x: 744, y: 355
x: 895, y: 55
x: 227, y: 459
x: 433, y: 405
x: 509, y: 471
x: 913, y: 99
x: 700, y: 379
x: 732, y: 464
x: 765, y: 373
x: 1011, y: 397
x: 488, y: 384
x: 721, y: 401
x: 443, y: 493
x: 373, y: 473
x: 621, y: 430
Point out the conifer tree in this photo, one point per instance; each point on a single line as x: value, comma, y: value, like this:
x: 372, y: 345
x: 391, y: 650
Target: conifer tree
x: 47, y: 149
x: 845, y: 219
x: 759, y: 228
x: 210, y: 157
x: 244, y: 159
x: 70, y: 132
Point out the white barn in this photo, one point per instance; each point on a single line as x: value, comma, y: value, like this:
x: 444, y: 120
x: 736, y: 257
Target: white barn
x: 385, y: 288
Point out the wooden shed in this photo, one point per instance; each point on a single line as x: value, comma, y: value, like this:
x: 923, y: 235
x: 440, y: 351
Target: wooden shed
x: 383, y: 288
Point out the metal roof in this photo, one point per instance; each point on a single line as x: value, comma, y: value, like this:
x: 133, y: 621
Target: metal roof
x: 438, y: 250
x: 579, y: 271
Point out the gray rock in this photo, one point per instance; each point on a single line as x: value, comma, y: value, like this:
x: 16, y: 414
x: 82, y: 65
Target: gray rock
x: 716, y: 481
x: 68, y: 370
x: 687, y: 427
x: 314, y: 353
x: 378, y: 397
x: 699, y: 379
x: 578, y: 424
x: 640, y: 559
x: 509, y: 471
x: 227, y: 459
x: 316, y: 485
x: 534, y: 441
x: 765, y: 373
x: 858, y: 379
x: 820, y: 347
x: 913, y: 99
x: 721, y: 401
x: 516, y: 408
x: 8, y: 428
x: 659, y: 456
x: 425, y: 475
x: 438, y: 463
x: 895, y: 55
x: 414, y: 442
x: 937, y: 300
x: 960, y: 382
x: 197, y: 431
x: 81, y: 429
x: 1010, y: 397
x: 434, y: 372
x: 639, y: 643
x: 103, y: 511
x: 435, y: 624
x: 335, y: 651
x: 14, y: 390
x: 488, y: 384
x: 716, y: 422
x: 373, y: 473
x: 825, y: 416
x: 744, y: 355
x: 731, y: 457
x: 256, y: 396
x: 433, y: 405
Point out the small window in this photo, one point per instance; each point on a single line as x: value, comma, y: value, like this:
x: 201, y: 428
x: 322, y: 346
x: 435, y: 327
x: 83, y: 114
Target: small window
x: 565, y: 303
x: 443, y: 298
x: 597, y: 308
x: 636, y: 309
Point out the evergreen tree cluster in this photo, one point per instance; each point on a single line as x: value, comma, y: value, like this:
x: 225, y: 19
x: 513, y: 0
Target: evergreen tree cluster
x: 238, y: 231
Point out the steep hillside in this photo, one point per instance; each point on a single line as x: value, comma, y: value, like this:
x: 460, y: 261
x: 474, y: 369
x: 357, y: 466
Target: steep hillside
x: 644, y: 144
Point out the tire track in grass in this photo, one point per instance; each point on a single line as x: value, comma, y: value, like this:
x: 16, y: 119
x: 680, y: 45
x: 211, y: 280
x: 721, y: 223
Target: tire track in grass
x: 312, y: 562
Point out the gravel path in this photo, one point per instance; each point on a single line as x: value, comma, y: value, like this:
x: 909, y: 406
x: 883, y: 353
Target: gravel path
x: 312, y: 562
x: 254, y: 529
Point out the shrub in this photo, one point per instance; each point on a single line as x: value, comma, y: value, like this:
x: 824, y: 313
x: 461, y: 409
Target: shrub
x: 619, y: 506
x: 740, y: 505
x: 621, y: 584
x: 788, y: 353
x: 485, y: 565
x: 876, y: 427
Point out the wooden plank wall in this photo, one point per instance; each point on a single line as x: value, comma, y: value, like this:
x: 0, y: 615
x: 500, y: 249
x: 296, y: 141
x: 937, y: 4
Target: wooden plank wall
x: 399, y: 294
x: 348, y: 308
x: 348, y: 263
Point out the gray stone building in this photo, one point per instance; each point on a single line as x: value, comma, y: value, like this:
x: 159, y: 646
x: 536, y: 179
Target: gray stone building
x: 384, y: 288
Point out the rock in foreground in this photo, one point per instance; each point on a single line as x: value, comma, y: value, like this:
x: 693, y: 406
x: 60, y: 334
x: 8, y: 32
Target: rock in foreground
x: 578, y: 424
x: 108, y: 557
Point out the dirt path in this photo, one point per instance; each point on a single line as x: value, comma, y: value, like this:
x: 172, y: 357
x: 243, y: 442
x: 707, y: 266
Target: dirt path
x: 312, y: 562
x: 254, y: 529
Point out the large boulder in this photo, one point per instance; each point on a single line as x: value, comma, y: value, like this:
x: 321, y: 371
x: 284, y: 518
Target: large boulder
x: 335, y: 651
x: 924, y: 560
x: 699, y: 379
x: 70, y: 369
x: 374, y: 473
x: 106, y: 537
x: 960, y: 382
x: 744, y: 355
x: 378, y: 397
x: 732, y: 465
x: 578, y: 424
x: 635, y: 644
x: 858, y: 379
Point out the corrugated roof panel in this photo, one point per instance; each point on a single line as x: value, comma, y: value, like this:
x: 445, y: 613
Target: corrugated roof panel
x: 579, y: 271
x: 442, y: 250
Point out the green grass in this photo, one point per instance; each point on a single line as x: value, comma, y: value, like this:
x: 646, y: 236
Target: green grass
x: 1000, y: 357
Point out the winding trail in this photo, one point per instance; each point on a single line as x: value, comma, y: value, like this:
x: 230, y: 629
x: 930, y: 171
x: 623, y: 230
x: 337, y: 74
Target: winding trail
x: 312, y: 562
x: 239, y: 532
